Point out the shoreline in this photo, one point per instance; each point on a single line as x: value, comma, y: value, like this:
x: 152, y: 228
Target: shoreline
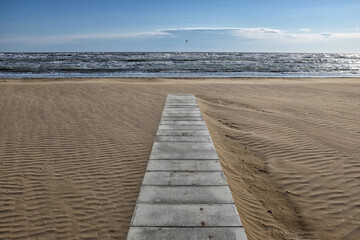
x: 189, y: 78
x: 177, y: 80
x: 288, y: 148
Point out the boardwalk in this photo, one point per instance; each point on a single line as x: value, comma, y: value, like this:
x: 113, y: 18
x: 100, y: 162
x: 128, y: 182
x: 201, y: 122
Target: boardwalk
x: 184, y: 194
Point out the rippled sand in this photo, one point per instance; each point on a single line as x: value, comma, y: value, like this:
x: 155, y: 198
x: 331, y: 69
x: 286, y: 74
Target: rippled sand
x: 73, y: 153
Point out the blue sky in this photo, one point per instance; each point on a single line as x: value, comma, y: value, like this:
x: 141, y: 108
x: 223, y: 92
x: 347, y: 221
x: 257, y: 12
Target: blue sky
x: 164, y: 25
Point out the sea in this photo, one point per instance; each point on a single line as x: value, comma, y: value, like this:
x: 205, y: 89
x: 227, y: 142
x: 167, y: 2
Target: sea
x: 177, y: 64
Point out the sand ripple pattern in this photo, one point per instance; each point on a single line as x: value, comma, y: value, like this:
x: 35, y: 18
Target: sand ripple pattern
x: 311, y: 148
x: 72, y: 159
x: 73, y: 154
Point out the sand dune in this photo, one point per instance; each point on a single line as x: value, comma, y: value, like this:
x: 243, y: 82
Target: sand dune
x: 73, y: 153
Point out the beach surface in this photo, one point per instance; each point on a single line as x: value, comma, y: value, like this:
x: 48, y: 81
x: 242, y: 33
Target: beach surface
x: 73, y: 153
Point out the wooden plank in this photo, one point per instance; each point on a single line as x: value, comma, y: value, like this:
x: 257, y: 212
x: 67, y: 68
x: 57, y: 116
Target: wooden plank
x: 188, y: 233
x: 186, y: 215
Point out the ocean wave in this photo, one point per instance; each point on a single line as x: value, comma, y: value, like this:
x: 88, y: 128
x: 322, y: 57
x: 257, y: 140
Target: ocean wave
x: 177, y: 64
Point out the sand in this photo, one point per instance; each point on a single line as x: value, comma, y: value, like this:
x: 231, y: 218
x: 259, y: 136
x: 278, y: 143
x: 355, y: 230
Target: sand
x: 73, y: 153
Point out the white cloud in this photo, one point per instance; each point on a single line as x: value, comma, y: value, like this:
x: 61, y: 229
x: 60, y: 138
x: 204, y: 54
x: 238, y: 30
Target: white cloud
x: 304, y: 29
x: 240, y: 32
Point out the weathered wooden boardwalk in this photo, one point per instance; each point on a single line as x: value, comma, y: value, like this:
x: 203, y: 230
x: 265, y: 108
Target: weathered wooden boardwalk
x: 184, y: 194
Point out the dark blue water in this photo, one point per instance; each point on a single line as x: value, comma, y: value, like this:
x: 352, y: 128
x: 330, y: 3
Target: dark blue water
x: 208, y: 64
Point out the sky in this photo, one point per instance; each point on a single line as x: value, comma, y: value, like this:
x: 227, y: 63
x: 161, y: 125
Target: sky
x: 165, y: 25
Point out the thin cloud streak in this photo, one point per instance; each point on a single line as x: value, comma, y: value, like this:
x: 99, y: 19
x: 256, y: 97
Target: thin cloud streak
x: 80, y: 37
x: 267, y: 33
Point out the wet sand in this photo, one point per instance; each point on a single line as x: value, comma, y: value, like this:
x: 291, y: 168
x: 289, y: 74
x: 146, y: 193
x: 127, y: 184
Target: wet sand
x: 73, y: 153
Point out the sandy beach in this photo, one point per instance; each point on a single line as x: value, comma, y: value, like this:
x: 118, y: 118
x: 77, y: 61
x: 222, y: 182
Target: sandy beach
x: 73, y: 153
